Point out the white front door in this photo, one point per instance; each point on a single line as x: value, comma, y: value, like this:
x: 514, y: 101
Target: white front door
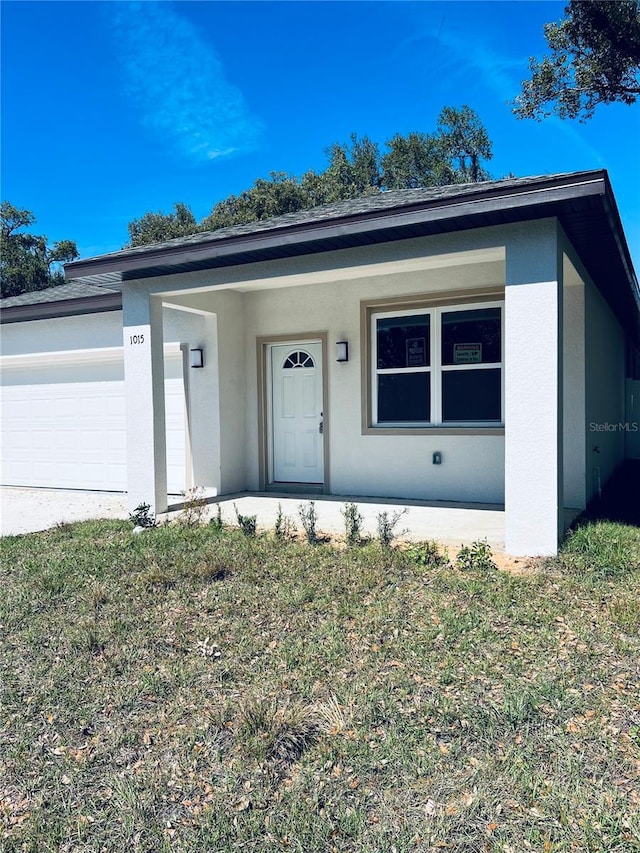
x: 296, y: 413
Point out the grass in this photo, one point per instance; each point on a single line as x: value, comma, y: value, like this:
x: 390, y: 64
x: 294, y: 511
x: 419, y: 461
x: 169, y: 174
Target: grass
x: 195, y: 689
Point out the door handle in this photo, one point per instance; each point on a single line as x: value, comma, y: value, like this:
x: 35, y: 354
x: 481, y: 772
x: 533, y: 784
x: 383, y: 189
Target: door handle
x: 321, y: 427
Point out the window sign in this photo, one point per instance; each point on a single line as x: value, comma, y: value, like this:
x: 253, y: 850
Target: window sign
x: 416, y: 352
x: 467, y: 353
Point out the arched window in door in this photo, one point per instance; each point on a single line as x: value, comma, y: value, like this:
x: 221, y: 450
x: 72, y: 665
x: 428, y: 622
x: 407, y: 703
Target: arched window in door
x: 298, y: 359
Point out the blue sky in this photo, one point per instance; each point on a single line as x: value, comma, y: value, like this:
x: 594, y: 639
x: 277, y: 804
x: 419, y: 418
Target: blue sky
x: 112, y: 109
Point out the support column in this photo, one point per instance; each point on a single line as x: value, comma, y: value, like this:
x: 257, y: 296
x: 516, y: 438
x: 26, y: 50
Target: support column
x: 533, y: 390
x: 144, y: 394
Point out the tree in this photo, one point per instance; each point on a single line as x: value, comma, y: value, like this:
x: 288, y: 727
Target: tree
x: 27, y: 263
x: 595, y: 59
x: 280, y: 194
x: 415, y: 160
x: 452, y: 154
x: 464, y: 142
x: 156, y: 227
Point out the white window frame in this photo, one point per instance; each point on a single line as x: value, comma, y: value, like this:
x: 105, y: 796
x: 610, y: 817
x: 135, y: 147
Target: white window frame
x: 435, y: 367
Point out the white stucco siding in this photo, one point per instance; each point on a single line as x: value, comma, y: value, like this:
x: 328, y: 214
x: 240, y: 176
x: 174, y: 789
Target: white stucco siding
x: 59, y: 334
x: 605, y: 400
x: 472, y: 467
x: 573, y: 388
x: 324, y: 294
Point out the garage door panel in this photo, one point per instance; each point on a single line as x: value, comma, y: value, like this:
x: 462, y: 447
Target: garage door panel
x: 65, y: 427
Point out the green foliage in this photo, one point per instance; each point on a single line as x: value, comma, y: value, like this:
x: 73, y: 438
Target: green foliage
x: 452, y: 154
x: 476, y: 557
x: 142, y: 517
x: 352, y: 523
x: 194, y: 507
x: 595, y: 59
x: 246, y: 523
x: 217, y: 522
x: 601, y: 550
x: 416, y: 160
x: 156, y: 227
x: 387, y: 526
x: 309, y: 518
x: 27, y: 262
x: 427, y: 554
x: 194, y: 690
x: 465, y: 142
x: 284, y: 527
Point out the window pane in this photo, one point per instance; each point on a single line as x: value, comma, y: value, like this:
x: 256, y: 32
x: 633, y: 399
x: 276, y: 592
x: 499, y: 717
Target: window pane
x: 404, y: 397
x: 471, y: 337
x: 403, y: 341
x: 471, y: 395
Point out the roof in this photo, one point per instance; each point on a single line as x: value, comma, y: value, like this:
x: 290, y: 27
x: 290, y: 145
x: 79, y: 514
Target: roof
x: 62, y: 300
x: 583, y: 202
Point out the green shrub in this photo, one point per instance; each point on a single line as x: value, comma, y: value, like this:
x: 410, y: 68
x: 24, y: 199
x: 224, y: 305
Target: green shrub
x: 476, y: 557
x: 309, y: 518
x: 246, y: 523
x: 352, y: 523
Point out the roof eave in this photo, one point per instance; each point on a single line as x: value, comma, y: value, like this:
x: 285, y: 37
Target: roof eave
x: 133, y: 264
x: 62, y: 308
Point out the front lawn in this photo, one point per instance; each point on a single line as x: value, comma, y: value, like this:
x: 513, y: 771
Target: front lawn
x: 192, y: 690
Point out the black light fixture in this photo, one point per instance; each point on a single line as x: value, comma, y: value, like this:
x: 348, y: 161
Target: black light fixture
x: 342, y: 351
x: 197, y: 358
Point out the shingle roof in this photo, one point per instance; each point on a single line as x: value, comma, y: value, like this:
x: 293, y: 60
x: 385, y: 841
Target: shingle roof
x: 372, y: 203
x: 59, y: 293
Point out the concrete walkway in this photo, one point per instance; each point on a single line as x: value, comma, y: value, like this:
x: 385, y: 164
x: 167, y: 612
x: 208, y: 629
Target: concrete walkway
x: 29, y: 510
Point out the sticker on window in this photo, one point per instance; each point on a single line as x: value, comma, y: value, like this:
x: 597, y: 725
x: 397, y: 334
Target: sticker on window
x: 467, y: 353
x: 416, y: 352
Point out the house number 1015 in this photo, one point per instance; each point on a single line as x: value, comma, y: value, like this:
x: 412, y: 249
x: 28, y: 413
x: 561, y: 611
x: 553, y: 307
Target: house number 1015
x: 136, y: 339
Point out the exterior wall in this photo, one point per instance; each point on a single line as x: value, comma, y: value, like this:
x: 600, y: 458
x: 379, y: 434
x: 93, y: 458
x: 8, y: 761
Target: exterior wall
x: 472, y: 466
x: 573, y: 388
x: 605, y: 396
x: 62, y: 333
x: 88, y: 331
x: 375, y: 465
x: 534, y: 517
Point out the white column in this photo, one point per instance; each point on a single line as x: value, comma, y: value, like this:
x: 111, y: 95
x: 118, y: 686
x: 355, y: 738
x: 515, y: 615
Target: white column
x: 533, y: 390
x: 144, y: 394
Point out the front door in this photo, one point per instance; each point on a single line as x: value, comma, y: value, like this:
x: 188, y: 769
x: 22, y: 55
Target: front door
x: 296, y: 413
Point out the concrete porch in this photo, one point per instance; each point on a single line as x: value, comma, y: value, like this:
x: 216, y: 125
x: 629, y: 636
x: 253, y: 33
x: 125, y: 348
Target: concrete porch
x: 449, y: 523
x: 27, y: 510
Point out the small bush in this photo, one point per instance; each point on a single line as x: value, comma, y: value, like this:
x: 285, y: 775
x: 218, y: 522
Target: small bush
x: 309, y: 519
x: 387, y: 525
x: 284, y: 527
x: 427, y: 554
x: 352, y: 523
x: 142, y: 517
x: 217, y: 522
x: 246, y: 523
x: 194, y: 508
x: 476, y: 557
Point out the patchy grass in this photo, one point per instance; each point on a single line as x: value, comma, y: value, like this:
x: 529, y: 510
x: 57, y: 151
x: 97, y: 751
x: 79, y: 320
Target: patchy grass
x: 195, y: 689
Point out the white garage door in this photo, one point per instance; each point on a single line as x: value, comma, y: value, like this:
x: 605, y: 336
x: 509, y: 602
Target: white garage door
x: 63, y: 420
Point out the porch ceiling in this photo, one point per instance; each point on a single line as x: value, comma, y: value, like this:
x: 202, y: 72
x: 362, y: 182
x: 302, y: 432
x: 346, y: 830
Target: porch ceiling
x: 494, y: 256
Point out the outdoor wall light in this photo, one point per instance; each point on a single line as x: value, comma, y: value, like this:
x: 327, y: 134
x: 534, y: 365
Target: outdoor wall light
x: 197, y: 358
x: 342, y: 351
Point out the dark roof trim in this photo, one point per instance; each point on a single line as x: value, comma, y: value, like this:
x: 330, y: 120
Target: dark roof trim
x: 62, y: 308
x: 468, y: 203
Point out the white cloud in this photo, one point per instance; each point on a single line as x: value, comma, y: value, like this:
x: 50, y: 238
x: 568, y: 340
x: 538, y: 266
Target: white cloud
x: 175, y: 80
